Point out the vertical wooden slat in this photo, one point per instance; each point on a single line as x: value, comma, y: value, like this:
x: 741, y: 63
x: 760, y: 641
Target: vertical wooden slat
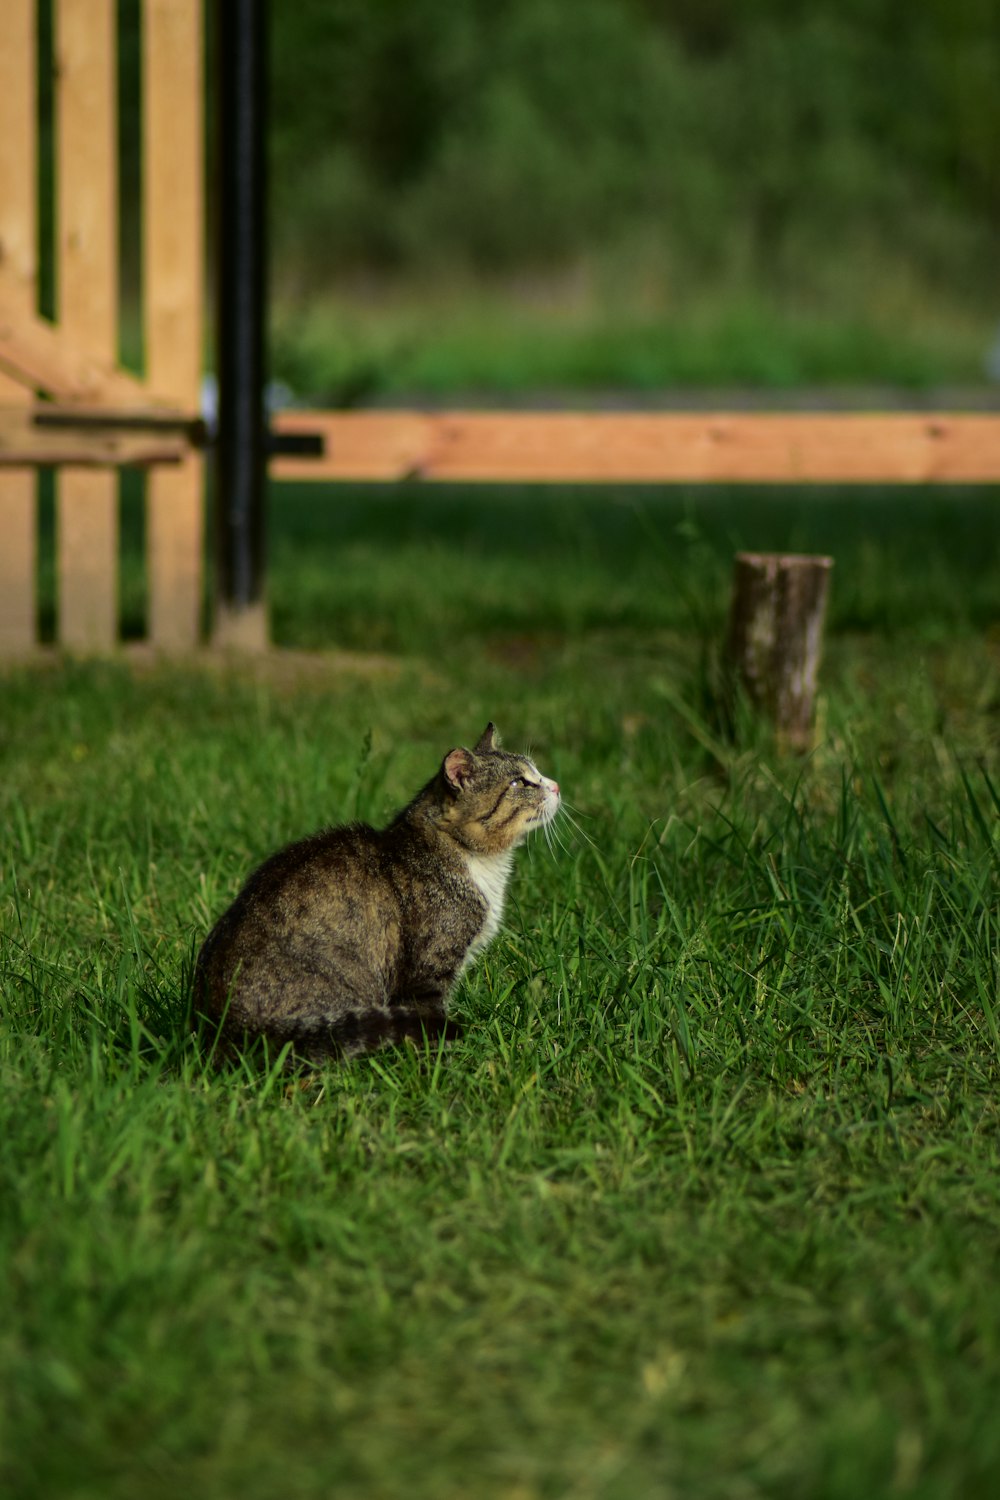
x: 173, y: 234
x: 86, y: 87
x: 18, y: 171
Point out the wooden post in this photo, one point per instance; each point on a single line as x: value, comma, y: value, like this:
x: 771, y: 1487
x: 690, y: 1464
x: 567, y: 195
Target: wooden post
x: 18, y: 171
x: 173, y: 235
x: 776, y: 635
x: 86, y: 91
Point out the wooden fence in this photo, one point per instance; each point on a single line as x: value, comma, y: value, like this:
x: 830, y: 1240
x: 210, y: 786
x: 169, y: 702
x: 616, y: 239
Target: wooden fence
x: 94, y: 416
x: 65, y: 401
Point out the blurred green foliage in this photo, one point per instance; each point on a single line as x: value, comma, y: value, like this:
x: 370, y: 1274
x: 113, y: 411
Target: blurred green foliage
x: 610, y: 193
x: 768, y: 139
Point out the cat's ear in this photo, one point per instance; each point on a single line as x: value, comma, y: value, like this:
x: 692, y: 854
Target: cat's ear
x: 458, y: 767
x: 488, y: 740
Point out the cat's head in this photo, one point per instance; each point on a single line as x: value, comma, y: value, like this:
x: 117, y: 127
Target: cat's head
x: 492, y: 798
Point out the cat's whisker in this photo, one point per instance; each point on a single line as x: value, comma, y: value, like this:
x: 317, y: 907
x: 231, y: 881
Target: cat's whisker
x: 565, y: 844
x: 572, y: 811
x: 580, y: 832
x: 554, y: 835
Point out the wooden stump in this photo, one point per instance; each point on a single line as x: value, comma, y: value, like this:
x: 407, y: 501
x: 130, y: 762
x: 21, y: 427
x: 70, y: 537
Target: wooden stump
x: 776, y: 636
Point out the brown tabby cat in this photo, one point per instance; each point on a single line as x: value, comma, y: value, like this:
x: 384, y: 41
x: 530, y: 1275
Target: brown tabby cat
x: 353, y: 939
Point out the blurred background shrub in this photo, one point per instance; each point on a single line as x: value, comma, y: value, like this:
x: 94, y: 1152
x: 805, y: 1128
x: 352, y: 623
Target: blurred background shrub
x: 768, y: 138
x: 693, y: 191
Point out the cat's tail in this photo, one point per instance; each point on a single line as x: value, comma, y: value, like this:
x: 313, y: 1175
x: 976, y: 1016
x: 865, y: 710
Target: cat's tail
x: 318, y: 1039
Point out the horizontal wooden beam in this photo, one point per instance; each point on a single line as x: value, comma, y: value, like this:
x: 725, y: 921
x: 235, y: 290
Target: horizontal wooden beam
x: 646, y: 447
x: 54, y: 436
x: 169, y: 421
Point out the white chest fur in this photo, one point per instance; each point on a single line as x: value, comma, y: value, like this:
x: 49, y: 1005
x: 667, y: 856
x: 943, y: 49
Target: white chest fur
x: 490, y: 873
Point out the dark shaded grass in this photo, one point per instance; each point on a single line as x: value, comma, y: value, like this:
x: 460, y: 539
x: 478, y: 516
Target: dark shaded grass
x: 351, y: 563
x: 564, y: 560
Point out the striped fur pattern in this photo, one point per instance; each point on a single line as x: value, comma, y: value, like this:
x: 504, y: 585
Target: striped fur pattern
x: 353, y: 939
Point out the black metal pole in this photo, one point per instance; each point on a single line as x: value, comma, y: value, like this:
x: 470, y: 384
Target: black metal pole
x: 240, y: 452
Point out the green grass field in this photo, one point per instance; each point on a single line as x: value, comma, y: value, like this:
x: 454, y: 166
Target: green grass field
x: 706, y: 1203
